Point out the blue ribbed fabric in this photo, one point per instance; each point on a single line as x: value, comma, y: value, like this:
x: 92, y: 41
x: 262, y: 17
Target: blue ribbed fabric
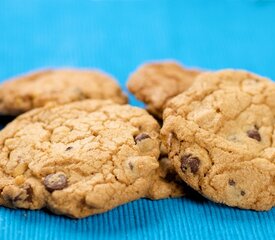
x: 117, y: 36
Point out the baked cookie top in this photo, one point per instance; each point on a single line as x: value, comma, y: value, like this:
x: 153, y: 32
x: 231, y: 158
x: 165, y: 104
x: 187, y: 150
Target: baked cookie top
x: 220, y: 135
x: 61, y: 86
x: 81, y: 158
x: 156, y: 83
x: 78, y: 159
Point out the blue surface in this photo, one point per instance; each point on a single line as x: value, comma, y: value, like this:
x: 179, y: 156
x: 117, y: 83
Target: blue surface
x: 117, y: 36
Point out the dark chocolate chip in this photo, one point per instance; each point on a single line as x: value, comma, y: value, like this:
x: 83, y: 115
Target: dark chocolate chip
x: 254, y: 134
x: 242, y: 193
x: 131, y: 165
x: 188, y: 161
x: 141, y: 137
x: 55, y: 181
x: 29, y: 192
x: 69, y: 148
x: 231, y: 182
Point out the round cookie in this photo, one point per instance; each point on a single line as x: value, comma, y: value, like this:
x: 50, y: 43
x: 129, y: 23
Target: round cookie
x: 220, y: 135
x: 81, y: 158
x: 156, y: 83
x: 61, y: 86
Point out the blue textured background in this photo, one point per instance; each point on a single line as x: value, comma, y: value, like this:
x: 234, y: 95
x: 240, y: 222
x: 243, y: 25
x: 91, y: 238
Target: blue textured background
x: 117, y: 36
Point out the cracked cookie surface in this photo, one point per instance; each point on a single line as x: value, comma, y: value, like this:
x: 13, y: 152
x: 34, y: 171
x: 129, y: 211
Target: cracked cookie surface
x: 156, y: 83
x: 61, y: 86
x: 220, y: 135
x: 81, y: 158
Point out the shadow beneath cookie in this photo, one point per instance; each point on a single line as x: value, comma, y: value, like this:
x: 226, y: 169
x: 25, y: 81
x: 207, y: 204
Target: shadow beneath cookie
x: 4, y: 120
x: 193, y: 195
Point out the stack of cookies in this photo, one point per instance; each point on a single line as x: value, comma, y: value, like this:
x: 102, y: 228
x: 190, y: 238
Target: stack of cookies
x: 76, y: 147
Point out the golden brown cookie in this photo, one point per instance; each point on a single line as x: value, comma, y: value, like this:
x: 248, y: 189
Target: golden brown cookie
x: 81, y: 158
x: 61, y: 86
x: 166, y: 183
x: 156, y: 83
x: 220, y: 135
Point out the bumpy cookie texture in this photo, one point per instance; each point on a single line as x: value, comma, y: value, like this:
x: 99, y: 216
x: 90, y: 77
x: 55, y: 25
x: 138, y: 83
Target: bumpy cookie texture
x: 56, y: 86
x: 220, y: 135
x: 156, y: 83
x: 78, y: 159
x: 166, y: 182
x: 81, y: 158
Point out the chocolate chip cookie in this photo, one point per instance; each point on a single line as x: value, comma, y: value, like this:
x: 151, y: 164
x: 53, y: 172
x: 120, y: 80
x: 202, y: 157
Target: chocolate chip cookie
x: 81, y: 158
x: 61, y: 86
x: 156, y: 83
x: 220, y: 135
x: 167, y: 183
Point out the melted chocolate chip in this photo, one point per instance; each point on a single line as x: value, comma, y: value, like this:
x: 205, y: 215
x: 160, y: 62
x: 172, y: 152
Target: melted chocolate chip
x: 188, y: 161
x: 254, y: 134
x: 231, y: 182
x: 55, y: 181
x: 242, y: 193
x: 141, y: 137
x: 69, y: 148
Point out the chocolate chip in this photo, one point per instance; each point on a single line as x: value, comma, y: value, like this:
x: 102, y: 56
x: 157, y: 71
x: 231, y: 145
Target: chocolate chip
x: 141, y: 137
x: 55, y: 181
x: 29, y: 192
x: 231, y: 182
x: 131, y: 165
x: 69, y: 148
x: 25, y: 195
x: 254, y: 134
x: 242, y: 193
x: 188, y: 161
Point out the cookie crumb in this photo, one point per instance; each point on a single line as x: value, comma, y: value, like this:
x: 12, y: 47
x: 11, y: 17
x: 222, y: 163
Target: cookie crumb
x: 169, y: 140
